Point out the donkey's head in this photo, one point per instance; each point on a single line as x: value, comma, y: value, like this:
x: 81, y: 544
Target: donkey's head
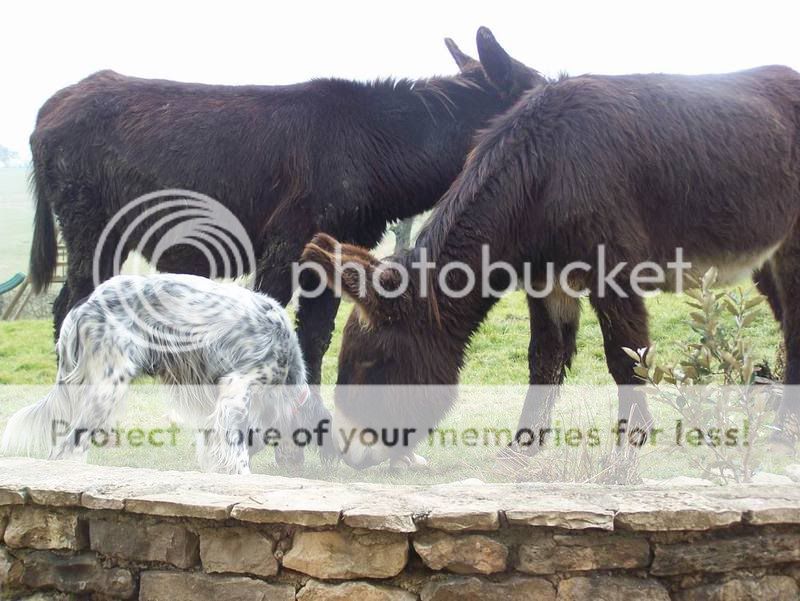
x: 496, y: 71
x: 390, y: 347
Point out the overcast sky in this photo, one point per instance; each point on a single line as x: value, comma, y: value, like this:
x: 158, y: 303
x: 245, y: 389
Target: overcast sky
x: 50, y: 45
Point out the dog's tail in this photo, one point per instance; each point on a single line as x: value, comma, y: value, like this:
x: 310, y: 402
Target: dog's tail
x: 33, y: 430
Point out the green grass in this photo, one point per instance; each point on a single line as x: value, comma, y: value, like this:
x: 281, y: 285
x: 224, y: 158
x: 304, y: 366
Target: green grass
x: 16, y: 229
x: 27, y: 354
x: 497, y: 357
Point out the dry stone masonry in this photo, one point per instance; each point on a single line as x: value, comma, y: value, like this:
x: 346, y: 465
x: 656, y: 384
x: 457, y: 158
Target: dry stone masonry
x: 71, y: 531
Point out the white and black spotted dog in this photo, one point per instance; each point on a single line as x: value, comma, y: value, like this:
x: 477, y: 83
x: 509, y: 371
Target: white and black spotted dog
x: 230, y: 356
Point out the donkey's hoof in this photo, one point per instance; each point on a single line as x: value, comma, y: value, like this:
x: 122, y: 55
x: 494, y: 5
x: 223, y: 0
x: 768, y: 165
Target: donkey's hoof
x: 400, y: 463
x: 406, y: 462
x: 782, y: 444
x: 290, y: 457
x: 418, y: 460
x: 518, y: 452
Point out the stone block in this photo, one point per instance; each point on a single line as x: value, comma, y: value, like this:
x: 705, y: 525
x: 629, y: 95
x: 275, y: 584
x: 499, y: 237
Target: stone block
x: 476, y: 589
x: 136, y: 540
x: 725, y: 555
x: 582, y: 552
x: 79, y: 574
x: 462, y: 554
x: 45, y: 528
x: 768, y: 588
x: 611, y: 588
x: 350, y: 591
x: 237, y: 550
x: 194, y: 586
x: 347, y: 554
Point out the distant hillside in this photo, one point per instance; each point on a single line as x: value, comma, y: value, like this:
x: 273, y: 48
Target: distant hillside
x: 9, y: 158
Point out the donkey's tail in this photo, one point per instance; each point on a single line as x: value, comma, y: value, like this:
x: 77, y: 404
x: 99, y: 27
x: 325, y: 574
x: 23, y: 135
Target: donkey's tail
x: 32, y: 430
x: 44, y: 249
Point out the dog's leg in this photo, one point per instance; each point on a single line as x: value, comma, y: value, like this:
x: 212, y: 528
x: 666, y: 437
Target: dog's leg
x: 100, y: 396
x: 226, y: 448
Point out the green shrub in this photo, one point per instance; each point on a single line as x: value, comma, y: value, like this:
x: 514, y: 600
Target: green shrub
x: 716, y: 385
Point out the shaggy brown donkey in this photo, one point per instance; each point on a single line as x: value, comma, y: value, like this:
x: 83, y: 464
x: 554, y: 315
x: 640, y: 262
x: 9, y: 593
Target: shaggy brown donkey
x: 288, y: 161
x: 642, y: 164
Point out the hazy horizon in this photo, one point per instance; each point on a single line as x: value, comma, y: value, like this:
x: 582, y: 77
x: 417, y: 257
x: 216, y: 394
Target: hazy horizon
x: 58, y: 44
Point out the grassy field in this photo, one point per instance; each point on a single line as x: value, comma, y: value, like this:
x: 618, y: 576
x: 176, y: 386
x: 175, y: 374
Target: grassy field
x: 16, y: 219
x: 497, y: 357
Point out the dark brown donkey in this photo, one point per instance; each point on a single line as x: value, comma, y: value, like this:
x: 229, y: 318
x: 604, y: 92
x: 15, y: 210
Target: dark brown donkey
x: 288, y: 161
x: 641, y: 164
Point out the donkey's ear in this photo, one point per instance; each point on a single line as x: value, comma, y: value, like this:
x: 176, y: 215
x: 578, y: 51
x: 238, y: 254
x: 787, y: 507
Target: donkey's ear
x: 332, y: 245
x: 354, y: 272
x: 497, y: 64
x: 464, y: 61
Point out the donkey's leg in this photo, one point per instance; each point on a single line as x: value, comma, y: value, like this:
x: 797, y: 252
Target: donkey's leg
x: 316, y: 315
x: 316, y: 320
x: 623, y: 321
x: 786, y: 269
x: 554, y: 326
x: 82, y: 226
x: 764, y: 280
x: 61, y: 307
x: 289, y: 455
x: 283, y: 244
x: 80, y: 270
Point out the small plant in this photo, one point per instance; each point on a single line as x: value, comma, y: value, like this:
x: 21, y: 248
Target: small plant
x: 716, y: 388
x: 590, y: 461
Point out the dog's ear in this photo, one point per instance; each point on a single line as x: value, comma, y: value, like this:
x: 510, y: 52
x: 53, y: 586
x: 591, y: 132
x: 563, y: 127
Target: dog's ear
x: 377, y: 288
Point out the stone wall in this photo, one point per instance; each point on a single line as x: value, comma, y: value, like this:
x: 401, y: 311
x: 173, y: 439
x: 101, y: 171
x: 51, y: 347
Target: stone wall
x: 73, y: 531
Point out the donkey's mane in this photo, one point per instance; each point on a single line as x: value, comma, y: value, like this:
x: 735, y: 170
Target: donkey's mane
x: 500, y: 148
x: 498, y: 173
x: 437, y: 90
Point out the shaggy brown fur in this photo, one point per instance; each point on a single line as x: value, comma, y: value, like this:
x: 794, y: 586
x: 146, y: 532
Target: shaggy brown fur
x: 641, y: 164
x: 288, y: 161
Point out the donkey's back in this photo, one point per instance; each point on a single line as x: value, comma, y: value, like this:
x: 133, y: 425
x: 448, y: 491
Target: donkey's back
x: 709, y: 163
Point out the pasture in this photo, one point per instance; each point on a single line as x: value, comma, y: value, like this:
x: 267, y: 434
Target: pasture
x: 16, y: 221
x: 497, y: 358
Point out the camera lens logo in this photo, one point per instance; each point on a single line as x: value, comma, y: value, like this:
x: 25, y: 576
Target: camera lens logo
x: 167, y: 227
